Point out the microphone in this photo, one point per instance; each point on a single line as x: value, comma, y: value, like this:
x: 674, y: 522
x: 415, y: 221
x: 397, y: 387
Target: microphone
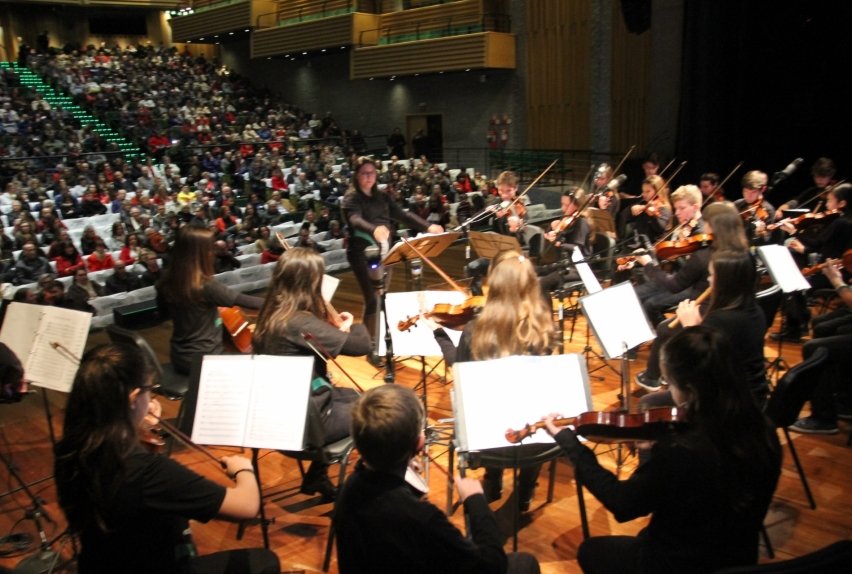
x: 780, y: 176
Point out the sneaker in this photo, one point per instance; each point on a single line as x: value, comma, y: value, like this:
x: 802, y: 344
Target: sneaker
x: 321, y: 485
x: 810, y: 425
x: 647, y: 383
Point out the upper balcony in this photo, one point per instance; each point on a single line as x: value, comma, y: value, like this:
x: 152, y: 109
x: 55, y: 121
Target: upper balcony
x: 309, y: 25
x: 210, y: 18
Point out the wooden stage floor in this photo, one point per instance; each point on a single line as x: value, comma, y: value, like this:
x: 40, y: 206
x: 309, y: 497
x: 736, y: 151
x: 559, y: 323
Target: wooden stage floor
x: 551, y: 532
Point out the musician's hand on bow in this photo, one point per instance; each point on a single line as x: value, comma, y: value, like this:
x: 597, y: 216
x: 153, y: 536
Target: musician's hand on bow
x: 635, y: 210
x: 514, y: 223
x: 788, y: 227
x: 688, y: 313
x: 467, y: 487
x: 381, y: 233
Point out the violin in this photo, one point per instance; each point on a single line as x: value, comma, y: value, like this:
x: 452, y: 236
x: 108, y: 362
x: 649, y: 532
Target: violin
x: 808, y: 220
x: 674, y: 249
x: 456, y: 316
x: 613, y: 426
x: 755, y: 211
x: 844, y: 263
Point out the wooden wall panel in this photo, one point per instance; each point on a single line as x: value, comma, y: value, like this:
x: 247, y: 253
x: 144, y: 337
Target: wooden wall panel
x: 558, y: 56
x: 631, y: 66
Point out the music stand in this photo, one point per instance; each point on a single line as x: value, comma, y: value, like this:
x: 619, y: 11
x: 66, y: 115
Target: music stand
x: 620, y: 324
x: 489, y: 244
x: 786, y: 274
x: 425, y: 246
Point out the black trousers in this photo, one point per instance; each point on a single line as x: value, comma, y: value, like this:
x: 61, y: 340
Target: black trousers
x: 243, y: 561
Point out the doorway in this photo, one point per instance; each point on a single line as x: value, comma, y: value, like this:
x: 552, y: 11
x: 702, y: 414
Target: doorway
x: 425, y: 136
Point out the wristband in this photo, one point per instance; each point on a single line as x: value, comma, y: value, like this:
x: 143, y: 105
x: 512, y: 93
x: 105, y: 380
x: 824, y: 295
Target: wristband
x: 242, y: 470
x: 842, y: 287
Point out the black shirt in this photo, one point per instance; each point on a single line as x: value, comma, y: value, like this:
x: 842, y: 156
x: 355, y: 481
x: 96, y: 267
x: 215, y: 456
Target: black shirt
x: 383, y: 526
x: 148, y: 528
x: 364, y: 213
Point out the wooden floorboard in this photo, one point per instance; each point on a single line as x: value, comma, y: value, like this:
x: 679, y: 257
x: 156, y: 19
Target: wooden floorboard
x: 550, y: 531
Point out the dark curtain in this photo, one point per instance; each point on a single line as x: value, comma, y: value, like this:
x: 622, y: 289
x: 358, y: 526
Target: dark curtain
x: 765, y: 82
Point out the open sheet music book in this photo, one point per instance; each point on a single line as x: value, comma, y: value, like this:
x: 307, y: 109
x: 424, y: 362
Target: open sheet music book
x: 493, y: 396
x: 29, y: 330
x: 254, y: 401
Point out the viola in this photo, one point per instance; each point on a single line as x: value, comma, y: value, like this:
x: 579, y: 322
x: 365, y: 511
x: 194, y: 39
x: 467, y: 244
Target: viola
x: 238, y: 328
x: 673, y: 249
x: 613, y: 426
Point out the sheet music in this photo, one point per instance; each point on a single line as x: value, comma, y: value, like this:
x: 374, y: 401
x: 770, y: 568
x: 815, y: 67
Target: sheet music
x: 258, y: 401
x: 419, y: 340
x: 617, y: 319
x: 29, y: 331
x: 223, y: 399
x: 493, y: 396
x: 590, y: 282
x: 783, y: 269
x: 329, y: 286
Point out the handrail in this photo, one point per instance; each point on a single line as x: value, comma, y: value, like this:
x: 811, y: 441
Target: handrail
x: 484, y: 23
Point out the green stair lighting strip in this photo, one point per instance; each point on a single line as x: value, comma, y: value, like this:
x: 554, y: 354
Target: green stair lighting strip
x: 60, y: 100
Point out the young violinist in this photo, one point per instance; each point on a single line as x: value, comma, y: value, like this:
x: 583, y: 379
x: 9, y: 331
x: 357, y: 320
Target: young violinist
x: 129, y: 507
x: 509, y: 219
x: 385, y: 526
x: 733, y: 311
x: 711, y: 191
x: 754, y: 209
x: 707, y: 488
x: 370, y: 215
x: 661, y: 290
x: 515, y: 320
x: 822, y: 173
x: 829, y: 242
x: 293, y: 318
x: 190, y: 295
x: 722, y: 221
x: 652, y: 217
x: 570, y: 232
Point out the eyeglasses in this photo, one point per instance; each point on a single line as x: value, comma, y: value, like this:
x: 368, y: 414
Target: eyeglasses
x: 151, y: 388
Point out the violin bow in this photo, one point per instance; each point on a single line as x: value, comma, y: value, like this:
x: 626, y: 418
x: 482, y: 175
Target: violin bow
x: 532, y: 183
x: 669, y: 180
x: 821, y: 194
x: 323, y: 354
x: 434, y: 266
x: 721, y: 184
x: 623, y: 159
x: 665, y: 169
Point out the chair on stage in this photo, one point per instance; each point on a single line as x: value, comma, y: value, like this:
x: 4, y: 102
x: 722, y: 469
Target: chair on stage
x: 787, y: 399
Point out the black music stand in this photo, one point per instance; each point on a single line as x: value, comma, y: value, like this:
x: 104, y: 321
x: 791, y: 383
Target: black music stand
x: 426, y: 246
x: 489, y: 244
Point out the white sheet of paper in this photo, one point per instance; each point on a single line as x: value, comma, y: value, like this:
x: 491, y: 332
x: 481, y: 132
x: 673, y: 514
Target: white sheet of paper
x: 329, y: 286
x: 245, y: 401
x: 419, y: 340
x: 590, y: 282
x: 617, y: 319
x: 30, y: 330
x: 509, y: 393
x: 783, y: 269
